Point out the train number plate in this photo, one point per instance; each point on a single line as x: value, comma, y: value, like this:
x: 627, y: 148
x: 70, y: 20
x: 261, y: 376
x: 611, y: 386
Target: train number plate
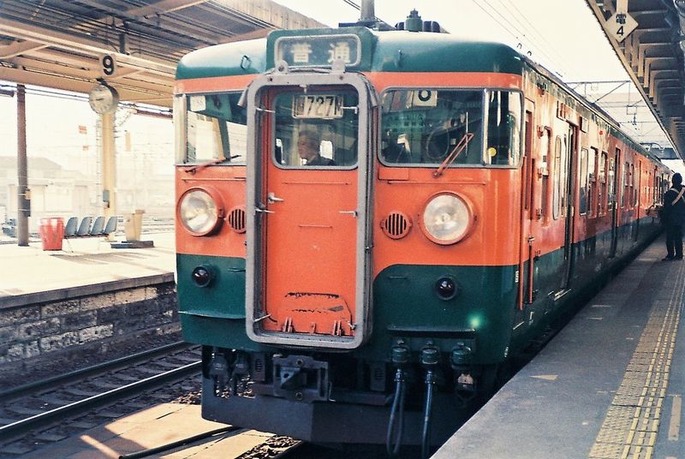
x: 319, y: 106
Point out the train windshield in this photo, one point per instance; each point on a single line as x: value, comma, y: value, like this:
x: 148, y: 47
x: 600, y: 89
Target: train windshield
x: 423, y: 127
x: 316, y: 128
x: 216, y: 129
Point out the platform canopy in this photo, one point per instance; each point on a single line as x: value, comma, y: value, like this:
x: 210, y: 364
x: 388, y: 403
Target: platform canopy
x: 132, y: 44
x: 649, y: 39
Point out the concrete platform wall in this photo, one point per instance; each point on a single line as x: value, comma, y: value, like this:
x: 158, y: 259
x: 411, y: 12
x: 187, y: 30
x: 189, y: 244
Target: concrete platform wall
x: 43, y: 329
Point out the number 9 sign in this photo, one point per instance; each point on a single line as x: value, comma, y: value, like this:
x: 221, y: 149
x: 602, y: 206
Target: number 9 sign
x: 108, y: 65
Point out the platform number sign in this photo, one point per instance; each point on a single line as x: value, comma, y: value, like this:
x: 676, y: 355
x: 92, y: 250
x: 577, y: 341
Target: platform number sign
x: 621, y: 24
x: 108, y: 65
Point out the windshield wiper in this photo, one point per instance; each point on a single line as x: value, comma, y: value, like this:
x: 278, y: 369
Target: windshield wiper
x: 211, y: 162
x: 456, y: 151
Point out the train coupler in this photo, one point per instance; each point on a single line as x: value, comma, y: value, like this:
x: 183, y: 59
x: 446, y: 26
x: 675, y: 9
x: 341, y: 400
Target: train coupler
x: 301, y: 378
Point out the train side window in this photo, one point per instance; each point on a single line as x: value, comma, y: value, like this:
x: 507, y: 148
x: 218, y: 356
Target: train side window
x: 592, y: 182
x: 633, y: 193
x: 611, y: 184
x: 584, y: 182
x: 559, y: 183
x: 528, y: 188
x: 602, y: 186
x: 216, y: 129
x: 545, y: 144
x: 628, y: 198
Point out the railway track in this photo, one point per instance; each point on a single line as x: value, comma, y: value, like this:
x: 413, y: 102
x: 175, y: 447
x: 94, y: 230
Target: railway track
x: 47, y: 411
x: 52, y: 409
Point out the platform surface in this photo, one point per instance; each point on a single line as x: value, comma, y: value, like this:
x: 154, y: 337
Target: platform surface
x: 609, y: 385
x: 154, y: 428
x: 82, y: 261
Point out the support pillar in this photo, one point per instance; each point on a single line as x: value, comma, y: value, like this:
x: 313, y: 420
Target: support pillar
x: 109, y: 171
x: 23, y: 193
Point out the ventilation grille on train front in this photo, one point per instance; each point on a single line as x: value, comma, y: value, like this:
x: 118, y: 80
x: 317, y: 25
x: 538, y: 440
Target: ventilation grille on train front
x: 236, y: 219
x: 396, y: 225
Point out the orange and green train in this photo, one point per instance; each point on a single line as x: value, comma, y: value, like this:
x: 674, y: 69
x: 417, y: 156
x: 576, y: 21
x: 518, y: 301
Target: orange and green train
x: 469, y: 202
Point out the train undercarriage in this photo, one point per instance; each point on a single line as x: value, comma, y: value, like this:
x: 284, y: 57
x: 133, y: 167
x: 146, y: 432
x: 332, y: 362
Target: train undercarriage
x: 335, y: 399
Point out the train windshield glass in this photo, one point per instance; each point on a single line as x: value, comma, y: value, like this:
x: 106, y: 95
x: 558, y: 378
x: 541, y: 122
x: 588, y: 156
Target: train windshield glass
x: 216, y: 129
x: 316, y: 128
x: 423, y: 127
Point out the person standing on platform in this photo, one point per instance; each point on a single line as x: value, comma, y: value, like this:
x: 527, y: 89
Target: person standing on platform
x: 673, y: 218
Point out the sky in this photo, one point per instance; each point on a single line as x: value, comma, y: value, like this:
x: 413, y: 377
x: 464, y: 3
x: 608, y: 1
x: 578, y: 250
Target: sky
x: 563, y: 35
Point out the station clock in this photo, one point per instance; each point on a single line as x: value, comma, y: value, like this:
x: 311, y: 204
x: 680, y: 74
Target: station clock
x: 103, y: 98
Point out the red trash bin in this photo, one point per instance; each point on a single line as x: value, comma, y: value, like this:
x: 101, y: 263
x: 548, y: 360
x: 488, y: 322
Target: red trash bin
x: 52, y: 233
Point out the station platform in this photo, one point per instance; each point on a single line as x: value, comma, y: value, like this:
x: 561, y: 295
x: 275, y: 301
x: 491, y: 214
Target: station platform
x: 152, y: 429
x: 81, y: 262
x: 609, y: 385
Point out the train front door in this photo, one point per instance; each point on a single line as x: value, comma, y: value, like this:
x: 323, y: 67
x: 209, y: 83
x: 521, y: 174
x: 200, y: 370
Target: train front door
x: 307, y: 259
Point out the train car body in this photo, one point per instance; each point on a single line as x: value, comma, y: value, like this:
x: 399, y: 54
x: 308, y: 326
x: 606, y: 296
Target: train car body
x: 468, y: 202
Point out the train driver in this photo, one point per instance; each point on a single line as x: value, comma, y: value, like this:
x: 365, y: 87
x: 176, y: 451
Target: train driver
x: 308, y: 147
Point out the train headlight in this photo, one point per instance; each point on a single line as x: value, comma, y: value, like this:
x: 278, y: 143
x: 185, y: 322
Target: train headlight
x: 200, y: 211
x: 447, y: 219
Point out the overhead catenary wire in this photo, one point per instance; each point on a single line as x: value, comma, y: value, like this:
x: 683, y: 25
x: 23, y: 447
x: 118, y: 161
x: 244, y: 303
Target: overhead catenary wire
x: 554, y: 55
x: 515, y: 31
x: 510, y: 18
x: 352, y: 4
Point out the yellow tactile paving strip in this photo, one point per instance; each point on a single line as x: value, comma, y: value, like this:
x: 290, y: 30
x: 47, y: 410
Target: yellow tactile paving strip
x: 632, y: 421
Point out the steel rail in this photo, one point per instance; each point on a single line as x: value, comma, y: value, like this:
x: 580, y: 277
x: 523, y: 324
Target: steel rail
x: 116, y: 364
x: 26, y: 425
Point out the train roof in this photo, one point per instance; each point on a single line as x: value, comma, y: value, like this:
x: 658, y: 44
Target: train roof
x: 229, y: 59
x: 386, y: 51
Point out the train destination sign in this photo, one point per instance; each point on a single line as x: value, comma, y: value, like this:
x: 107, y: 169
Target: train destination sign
x: 319, y: 50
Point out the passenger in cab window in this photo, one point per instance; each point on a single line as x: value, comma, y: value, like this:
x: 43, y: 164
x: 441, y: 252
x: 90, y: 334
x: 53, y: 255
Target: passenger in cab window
x: 308, y: 147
